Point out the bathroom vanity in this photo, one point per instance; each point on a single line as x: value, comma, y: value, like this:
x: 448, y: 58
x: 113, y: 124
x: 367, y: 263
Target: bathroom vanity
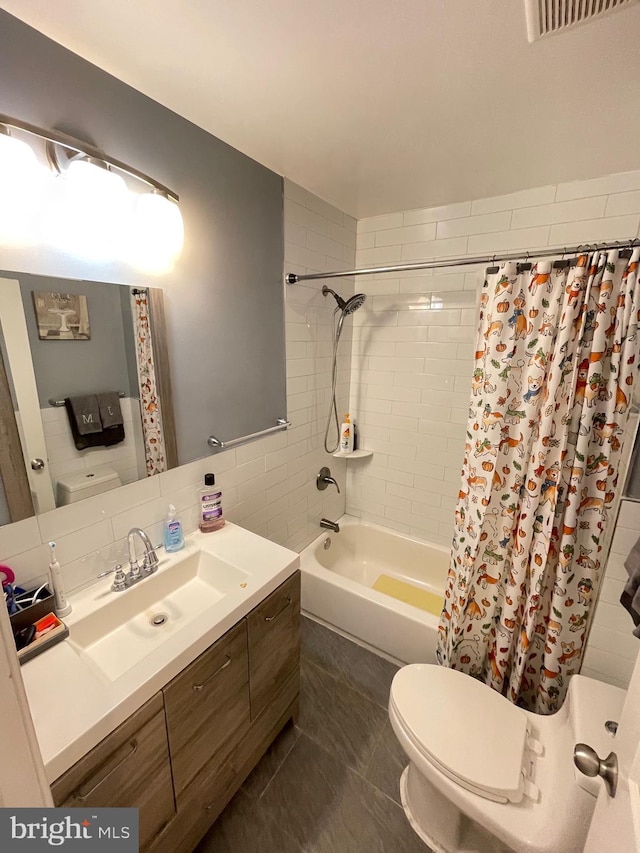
x: 182, y: 756
x: 188, y: 721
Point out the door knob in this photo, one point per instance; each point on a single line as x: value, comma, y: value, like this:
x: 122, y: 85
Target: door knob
x: 588, y: 762
x: 37, y: 464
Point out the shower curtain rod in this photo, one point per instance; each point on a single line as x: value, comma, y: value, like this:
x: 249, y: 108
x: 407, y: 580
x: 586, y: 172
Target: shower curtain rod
x: 461, y: 260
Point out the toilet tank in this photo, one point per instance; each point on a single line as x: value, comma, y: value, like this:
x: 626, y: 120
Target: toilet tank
x: 85, y: 484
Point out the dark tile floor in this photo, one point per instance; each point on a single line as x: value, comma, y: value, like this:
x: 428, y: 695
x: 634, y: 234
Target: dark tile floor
x: 329, y: 784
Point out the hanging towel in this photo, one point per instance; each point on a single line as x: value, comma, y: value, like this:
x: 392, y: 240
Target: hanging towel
x: 84, y: 420
x: 110, y: 411
x: 85, y: 413
x: 86, y: 424
x: 630, y: 598
x: 111, y: 416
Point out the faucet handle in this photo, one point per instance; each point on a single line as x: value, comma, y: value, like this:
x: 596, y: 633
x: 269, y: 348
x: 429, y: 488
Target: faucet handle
x: 324, y: 479
x: 120, y: 580
x: 113, y: 570
x: 107, y: 572
x: 135, y: 571
x: 150, y: 562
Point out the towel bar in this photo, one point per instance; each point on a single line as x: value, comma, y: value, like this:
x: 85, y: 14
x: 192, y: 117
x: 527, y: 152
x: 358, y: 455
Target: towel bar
x: 216, y: 444
x: 59, y: 403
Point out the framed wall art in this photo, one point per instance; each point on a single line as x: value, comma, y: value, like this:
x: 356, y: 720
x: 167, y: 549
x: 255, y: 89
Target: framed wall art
x: 62, y: 316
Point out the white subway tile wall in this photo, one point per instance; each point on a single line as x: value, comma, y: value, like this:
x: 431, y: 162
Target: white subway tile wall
x: 269, y: 485
x: 409, y: 396
x: 612, y: 648
x: 411, y: 364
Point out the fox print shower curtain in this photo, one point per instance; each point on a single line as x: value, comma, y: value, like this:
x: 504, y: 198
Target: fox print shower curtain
x: 553, y: 376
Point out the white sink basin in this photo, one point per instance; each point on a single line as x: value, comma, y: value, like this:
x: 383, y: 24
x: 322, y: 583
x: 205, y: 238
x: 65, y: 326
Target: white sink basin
x: 141, y: 619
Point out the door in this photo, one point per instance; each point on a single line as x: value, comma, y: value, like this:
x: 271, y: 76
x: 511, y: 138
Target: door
x: 15, y: 494
x: 615, y: 824
x: 20, y: 366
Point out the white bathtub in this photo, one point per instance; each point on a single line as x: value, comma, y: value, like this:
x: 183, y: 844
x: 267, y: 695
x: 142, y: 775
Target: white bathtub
x: 337, y: 587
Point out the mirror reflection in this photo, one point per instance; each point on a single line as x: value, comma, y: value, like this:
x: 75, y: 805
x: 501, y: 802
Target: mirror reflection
x: 85, y: 391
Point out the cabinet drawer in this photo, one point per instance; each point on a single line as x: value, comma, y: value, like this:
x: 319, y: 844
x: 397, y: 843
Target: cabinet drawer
x: 274, y: 642
x: 130, y: 768
x: 198, y: 811
x: 207, y: 706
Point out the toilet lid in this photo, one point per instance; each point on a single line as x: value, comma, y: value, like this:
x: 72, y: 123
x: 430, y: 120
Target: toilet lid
x: 471, y: 732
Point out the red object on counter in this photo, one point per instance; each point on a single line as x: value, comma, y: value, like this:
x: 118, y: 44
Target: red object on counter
x: 46, y: 624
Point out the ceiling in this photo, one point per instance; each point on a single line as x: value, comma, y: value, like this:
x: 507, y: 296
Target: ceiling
x: 376, y: 105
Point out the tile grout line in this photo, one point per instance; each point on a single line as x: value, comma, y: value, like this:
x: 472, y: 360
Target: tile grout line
x: 350, y: 769
x: 279, y: 767
x: 342, y: 678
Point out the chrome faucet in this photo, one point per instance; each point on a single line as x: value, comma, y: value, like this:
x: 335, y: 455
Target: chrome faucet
x: 150, y: 560
x: 330, y: 525
x: 123, y: 580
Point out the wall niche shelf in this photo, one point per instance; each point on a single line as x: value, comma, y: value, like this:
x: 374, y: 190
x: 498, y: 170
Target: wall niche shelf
x: 355, y: 454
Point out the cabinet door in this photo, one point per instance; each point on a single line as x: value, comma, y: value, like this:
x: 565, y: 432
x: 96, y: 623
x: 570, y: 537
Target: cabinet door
x: 207, y: 706
x: 274, y: 642
x: 129, y: 768
x: 209, y: 793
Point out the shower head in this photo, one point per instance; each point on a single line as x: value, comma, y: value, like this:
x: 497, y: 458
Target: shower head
x: 356, y: 301
x: 351, y: 305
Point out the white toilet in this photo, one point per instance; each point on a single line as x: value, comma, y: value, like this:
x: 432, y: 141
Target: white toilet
x: 487, y: 777
x: 85, y: 484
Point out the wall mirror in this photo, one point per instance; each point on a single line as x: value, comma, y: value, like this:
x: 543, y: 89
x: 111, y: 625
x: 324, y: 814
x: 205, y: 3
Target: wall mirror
x: 85, y: 391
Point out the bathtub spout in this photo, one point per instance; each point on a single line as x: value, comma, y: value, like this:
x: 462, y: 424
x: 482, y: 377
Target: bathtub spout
x: 330, y: 525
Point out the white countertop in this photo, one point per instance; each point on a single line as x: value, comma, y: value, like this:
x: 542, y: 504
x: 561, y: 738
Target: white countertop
x: 74, y: 706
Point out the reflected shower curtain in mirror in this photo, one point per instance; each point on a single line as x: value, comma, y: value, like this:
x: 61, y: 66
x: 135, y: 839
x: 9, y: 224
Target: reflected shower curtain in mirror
x: 552, y: 382
x: 150, y: 412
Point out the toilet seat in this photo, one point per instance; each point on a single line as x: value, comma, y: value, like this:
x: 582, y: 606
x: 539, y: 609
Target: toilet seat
x: 469, y: 732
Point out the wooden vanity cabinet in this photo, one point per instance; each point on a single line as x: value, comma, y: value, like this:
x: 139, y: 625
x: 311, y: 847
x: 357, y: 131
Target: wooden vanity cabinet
x: 130, y: 767
x: 182, y: 756
x: 274, y: 643
x: 207, y: 706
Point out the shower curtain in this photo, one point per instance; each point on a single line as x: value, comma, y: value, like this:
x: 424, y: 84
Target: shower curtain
x: 153, y: 437
x: 553, y: 376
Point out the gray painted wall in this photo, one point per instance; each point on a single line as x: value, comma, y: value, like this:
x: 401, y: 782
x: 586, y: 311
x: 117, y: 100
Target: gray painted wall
x: 65, y: 368
x: 225, y: 299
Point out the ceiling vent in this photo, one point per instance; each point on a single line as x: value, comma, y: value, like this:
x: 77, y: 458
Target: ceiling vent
x: 545, y: 17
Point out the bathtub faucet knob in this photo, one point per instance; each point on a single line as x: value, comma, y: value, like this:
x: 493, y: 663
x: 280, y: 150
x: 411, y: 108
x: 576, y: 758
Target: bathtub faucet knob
x: 330, y: 525
x: 324, y: 478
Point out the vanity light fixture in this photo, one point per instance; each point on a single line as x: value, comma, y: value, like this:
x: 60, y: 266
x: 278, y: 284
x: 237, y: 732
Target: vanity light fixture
x: 19, y: 173
x: 99, y: 215
x: 157, y: 232
x: 94, y: 206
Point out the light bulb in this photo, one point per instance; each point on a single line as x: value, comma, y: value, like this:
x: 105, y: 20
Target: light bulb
x: 157, y: 233
x: 96, y: 209
x: 19, y: 185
